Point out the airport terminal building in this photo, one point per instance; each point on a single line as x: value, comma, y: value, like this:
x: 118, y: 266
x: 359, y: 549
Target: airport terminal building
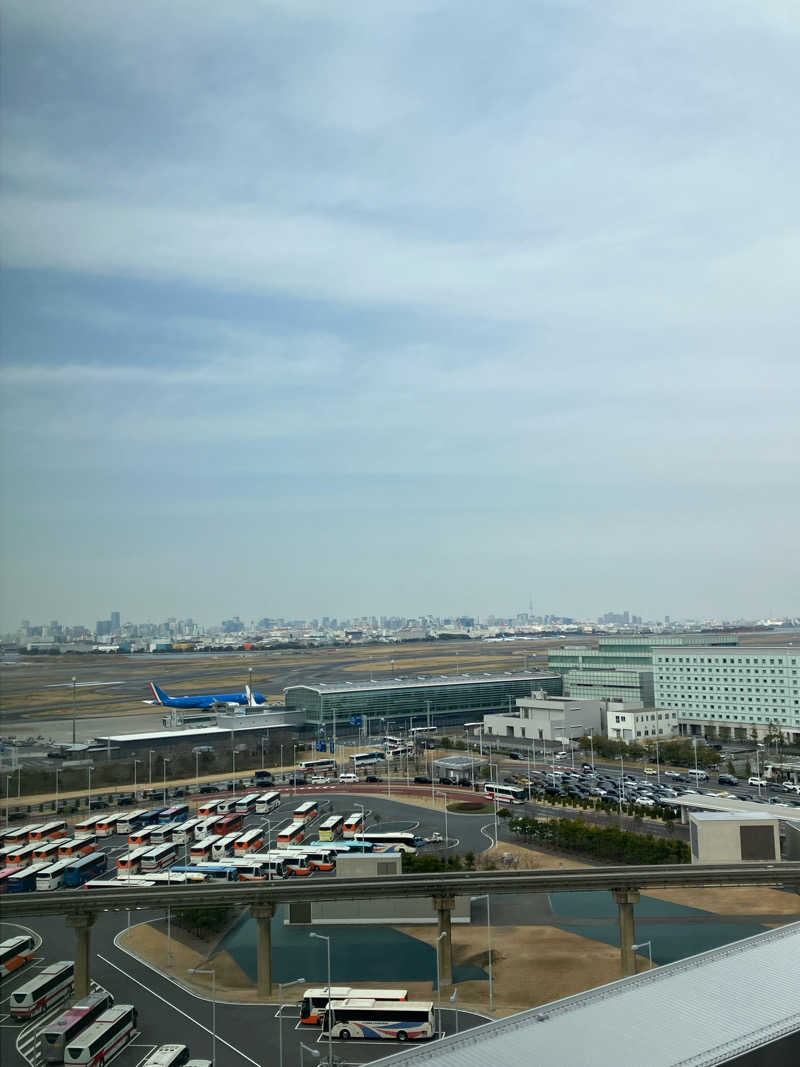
x: 446, y: 699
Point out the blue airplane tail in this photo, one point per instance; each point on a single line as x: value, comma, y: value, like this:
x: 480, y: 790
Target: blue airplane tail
x: 160, y: 695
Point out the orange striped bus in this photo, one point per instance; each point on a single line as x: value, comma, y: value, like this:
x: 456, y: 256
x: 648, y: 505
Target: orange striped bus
x: 78, y: 846
x: 249, y: 842
x: 292, y: 834
x: 227, y: 824
x: 353, y: 824
x: 46, y: 850
x: 49, y: 831
x: 306, y: 811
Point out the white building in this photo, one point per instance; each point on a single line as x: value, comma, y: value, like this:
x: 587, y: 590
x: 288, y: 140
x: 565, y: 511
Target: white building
x: 728, y: 693
x: 624, y: 723
x: 543, y: 717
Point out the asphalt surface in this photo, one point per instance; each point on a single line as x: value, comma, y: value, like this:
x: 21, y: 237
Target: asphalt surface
x: 168, y: 1012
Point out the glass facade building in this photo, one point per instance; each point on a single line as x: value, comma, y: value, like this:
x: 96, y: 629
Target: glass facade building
x: 622, y: 666
x: 448, y: 700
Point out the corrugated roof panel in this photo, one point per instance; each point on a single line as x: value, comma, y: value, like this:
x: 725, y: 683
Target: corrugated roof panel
x: 699, y: 1012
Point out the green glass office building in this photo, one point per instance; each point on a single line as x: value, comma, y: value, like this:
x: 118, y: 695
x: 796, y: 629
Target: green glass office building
x: 448, y: 699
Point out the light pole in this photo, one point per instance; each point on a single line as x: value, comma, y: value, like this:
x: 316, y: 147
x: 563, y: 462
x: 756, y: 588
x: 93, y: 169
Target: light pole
x: 74, y: 716
x: 233, y: 771
x: 326, y: 938
x: 8, y: 788
x: 150, y: 766
x: 197, y: 770
x: 164, y: 795
x: 621, y: 759
x: 574, y: 726
x: 134, y: 778
x: 250, y: 686
x: 446, y: 834
x: 281, y: 987
x: 312, y: 1052
x: 485, y: 896
x: 694, y: 746
x: 658, y: 766
x: 213, y: 973
x: 89, y: 769
x: 649, y: 946
x: 58, y: 771
x: 439, y: 983
x: 759, y: 746
x: 294, y: 768
x: 263, y: 739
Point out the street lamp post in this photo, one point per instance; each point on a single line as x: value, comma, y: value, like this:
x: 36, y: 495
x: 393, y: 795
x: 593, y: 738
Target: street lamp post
x: 574, y: 726
x: 250, y: 686
x: 263, y: 739
x: 150, y: 766
x: 621, y: 759
x: 74, y: 714
x: 485, y: 896
x: 8, y: 789
x: 197, y: 769
x: 694, y: 746
x: 446, y: 834
x: 233, y: 771
x: 213, y: 973
x: 89, y: 769
x: 658, y: 766
x: 164, y: 795
x: 759, y: 746
x: 649, y: 946
x: 58, y: 771
x: 134, y: 778
x: 281, y: 987
x: 294, y: 768
x: 439, y: 983
x: 326, y: 938
x: 312, y: 1052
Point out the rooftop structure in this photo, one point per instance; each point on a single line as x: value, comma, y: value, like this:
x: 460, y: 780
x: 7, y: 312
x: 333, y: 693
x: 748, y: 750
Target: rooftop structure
x: 447, y: 698
x: 704, y: 1011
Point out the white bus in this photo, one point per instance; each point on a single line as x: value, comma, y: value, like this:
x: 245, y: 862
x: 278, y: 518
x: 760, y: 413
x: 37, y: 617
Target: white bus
x: 422, y: 731
x: 52, y: 877
x: 15, y: 953
x: 391, y: 840
x: 88, y: 825
x: 46, y: 850
x: 223, y: 846
x: 317, y: 766
x: 353, y: 824
x: 398, y: 1020
x: 104, y: 1038
x: 201, y: 850
x: 52, y: 984
x: 267, y: 802
x: 131, y: 861
x: 506, y: 794
x: 306, y: 812
x: 366, y: 759
x: 331, y: 828
x: 247, y: 804
x: 125, y: 823
x: 315, y: 999
x: 49, y: 831
x: 205, y: 827
x: 292, y: 834
x: 184, y: 831
x: 122, y: 882
x: 155, y: 859
x: 251, y: 841
x: 70, y: 1024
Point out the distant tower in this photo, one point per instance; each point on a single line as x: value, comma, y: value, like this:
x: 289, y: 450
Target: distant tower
x: 114, y: 621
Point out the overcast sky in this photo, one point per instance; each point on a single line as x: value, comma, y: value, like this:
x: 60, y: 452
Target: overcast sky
x: 400, y: 307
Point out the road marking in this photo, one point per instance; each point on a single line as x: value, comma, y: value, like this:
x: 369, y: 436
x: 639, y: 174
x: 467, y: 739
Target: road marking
x: 180, y: 1011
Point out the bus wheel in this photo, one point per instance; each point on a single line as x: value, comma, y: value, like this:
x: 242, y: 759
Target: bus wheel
x: 402, y: 1035
x: 344, y: 1035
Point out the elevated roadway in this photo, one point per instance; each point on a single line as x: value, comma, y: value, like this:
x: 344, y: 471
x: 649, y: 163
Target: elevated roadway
x: 80, y: 907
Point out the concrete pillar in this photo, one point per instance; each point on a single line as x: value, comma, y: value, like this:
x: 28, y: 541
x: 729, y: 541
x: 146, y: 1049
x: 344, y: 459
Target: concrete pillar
x: 263, y: 914
x: 444, y: 906
x: 625, y: 899
x: 82, y: 925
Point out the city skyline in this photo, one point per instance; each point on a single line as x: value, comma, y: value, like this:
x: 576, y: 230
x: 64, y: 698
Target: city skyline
x: 328, y: 308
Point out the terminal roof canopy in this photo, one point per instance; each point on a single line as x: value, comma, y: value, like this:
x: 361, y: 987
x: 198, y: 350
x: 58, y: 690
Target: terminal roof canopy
x: 702, y: 1011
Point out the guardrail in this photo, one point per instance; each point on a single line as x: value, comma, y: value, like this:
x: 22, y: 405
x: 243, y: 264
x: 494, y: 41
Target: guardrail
x: 456, y: 883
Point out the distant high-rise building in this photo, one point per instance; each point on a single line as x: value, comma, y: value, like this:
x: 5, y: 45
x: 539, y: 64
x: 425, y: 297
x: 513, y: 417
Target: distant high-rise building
x: 115, y: 622
x: 103, y: 627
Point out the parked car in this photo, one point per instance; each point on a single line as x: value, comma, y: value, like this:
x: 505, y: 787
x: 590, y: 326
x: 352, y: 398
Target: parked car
x: 727, y: 779
x: 515, y: 755
x: 421, y: 779
x: 372, y: 778
x: 755, y: 780
x: 323, y: 779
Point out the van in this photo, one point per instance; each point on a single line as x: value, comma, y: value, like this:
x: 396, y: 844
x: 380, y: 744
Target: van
x: 698, y: 776
x: 347, y: 777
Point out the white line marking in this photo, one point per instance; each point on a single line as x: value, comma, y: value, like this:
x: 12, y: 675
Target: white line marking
x: 180, y: 1011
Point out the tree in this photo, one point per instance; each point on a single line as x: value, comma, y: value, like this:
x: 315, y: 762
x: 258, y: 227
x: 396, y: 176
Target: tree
x: 731, y: 768
x: 748, y: 768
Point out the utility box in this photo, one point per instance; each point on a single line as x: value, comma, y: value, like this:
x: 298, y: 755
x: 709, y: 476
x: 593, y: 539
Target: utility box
x: 735, y: 837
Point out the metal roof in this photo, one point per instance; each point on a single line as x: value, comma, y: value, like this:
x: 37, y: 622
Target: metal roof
x: 704, y: 802
x: 700, y: 1012
x: 421, y: 682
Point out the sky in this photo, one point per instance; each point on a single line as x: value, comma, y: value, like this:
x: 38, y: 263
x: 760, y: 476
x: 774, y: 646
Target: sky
x: 400, y: 307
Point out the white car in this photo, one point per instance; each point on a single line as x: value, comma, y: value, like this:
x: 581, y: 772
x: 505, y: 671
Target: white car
x: 791, y: 787
x: 755, y: 780
x: 650, y: 770
x: 348, y: 777
x: 320, y: 779
x: 562, y: 755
